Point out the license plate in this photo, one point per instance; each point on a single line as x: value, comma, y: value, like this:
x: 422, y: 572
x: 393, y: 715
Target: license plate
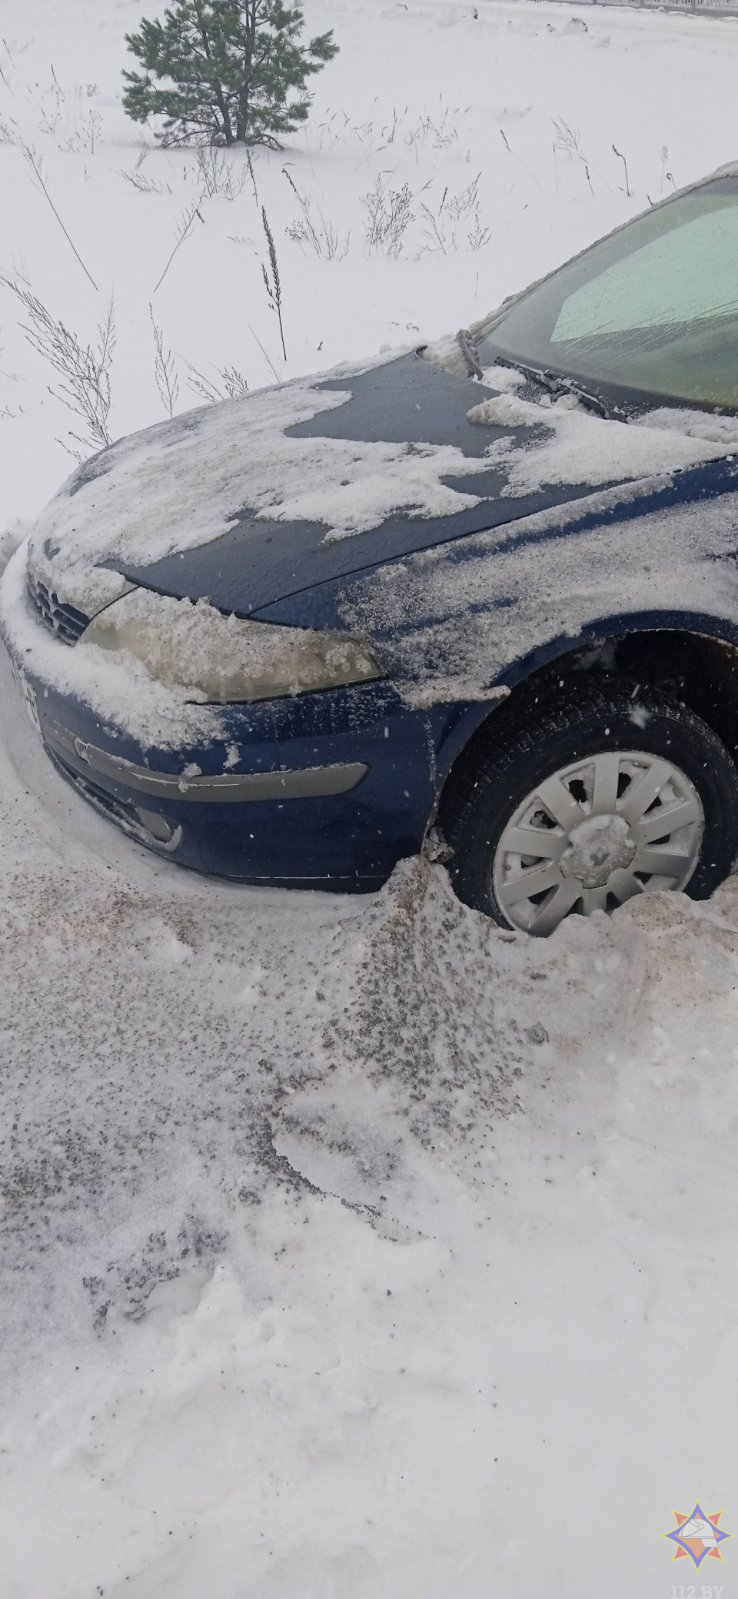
x: 28, y: 696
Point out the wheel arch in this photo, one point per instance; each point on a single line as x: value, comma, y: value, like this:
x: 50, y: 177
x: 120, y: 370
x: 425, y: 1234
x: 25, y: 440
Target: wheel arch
x: 691, y: 654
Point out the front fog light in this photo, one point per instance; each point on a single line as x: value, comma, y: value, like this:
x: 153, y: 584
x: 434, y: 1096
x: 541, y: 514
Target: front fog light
x: 226, y: 659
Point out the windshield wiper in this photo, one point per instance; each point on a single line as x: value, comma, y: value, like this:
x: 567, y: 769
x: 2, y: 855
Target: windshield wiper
x: 464, y: 341
x: 557, y: 384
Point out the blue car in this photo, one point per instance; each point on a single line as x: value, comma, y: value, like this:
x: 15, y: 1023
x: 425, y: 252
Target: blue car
x: 479, y: 597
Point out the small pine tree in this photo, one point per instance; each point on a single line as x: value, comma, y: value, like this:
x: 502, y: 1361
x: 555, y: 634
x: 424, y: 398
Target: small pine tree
x: 229, y: 71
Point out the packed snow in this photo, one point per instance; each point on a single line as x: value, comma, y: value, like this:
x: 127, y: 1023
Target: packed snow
x: 351, y: 1246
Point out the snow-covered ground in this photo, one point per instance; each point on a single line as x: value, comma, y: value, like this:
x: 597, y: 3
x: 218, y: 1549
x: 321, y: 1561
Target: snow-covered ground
x: 351, y: 1247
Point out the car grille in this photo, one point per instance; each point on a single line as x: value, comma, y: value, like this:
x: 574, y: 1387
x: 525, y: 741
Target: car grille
x: 65, y: 621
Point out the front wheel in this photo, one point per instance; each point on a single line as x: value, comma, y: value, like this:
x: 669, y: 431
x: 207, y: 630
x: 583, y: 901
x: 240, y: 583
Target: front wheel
x: 601, y: 793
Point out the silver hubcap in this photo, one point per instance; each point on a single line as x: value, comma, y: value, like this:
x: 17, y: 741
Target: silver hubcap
x: 594, y: 834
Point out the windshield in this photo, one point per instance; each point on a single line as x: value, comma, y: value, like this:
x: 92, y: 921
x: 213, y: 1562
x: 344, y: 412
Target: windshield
x: 652, y: 310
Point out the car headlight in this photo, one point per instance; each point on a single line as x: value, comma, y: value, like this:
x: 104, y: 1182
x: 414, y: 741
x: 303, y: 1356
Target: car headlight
x: 225, y: 659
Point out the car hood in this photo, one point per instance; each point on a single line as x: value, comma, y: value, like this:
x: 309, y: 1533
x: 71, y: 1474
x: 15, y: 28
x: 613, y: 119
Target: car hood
x: 250, y: 501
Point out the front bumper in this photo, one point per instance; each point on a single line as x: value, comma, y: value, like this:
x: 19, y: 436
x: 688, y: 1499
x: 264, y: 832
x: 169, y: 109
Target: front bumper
x: 326, y: 790
x: 223, y: 788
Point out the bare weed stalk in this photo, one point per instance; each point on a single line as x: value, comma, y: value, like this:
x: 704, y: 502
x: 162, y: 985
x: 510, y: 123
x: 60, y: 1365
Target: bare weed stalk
x: 621, y: 157
x: 519, y: 159
x: 265, y: 353
x: 438, y: 129
x: 83, y: 370
x: 183, y: 233
x: 389, y: 214
x: 144, y: 184
x: 233, y: 385
x: 442, y: 226
x: 313, y: 229
x: 569, y: 140
x: 216, y: 175
x: 91, y: 130
x: 34, y: 162
x: 271, y: 278
x: 252, y: 175
x: 165, y: 368
x: 139, y: 180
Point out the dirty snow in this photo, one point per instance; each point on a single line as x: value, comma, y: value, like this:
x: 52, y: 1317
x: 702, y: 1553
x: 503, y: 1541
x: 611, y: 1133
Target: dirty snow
x: 350, y: 1247
x: 339, y: 1260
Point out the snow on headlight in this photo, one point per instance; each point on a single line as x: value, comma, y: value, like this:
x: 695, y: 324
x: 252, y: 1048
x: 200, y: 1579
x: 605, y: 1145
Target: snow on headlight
x: 226, y: 659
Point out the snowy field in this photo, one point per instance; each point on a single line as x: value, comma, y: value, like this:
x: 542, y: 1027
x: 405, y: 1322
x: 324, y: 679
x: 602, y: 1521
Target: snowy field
x: 352, y: 1248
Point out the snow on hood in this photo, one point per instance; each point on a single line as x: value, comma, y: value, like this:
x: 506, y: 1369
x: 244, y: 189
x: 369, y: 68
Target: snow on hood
x: 582, y: 448
x: 379, y: 471
x: 348, y: 455
x: 707, y: 425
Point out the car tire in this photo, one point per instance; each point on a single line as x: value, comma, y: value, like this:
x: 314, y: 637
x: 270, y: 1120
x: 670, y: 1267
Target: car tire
x: 594, y: 837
